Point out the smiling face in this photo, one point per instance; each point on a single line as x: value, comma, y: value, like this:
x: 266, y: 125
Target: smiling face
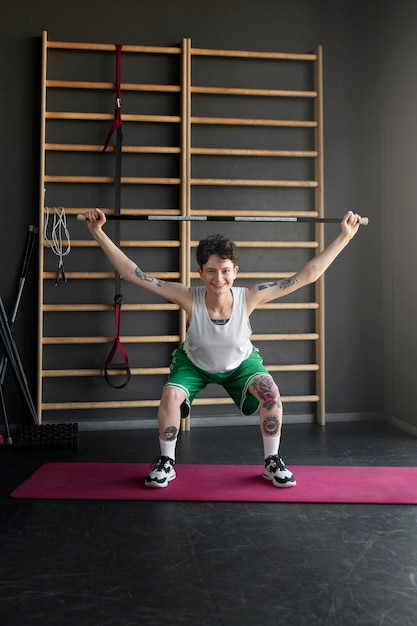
x: 218, y: 275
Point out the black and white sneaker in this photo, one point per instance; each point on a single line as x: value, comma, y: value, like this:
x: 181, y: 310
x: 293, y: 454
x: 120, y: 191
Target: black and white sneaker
x: 162, y: 472
x: 276, y: 471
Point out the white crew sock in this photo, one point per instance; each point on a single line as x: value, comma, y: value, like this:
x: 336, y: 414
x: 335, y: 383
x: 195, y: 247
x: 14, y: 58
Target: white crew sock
x: 168, y: 447
x: 271, y: 445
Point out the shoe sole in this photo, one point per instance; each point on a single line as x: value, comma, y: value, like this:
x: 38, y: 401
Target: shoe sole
x: 157, y: 485
x: 286, y: 484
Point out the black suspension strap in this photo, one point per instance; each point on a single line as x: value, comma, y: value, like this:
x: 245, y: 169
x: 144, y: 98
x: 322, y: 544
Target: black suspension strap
x: 117, y: 124
x: 118, y: 298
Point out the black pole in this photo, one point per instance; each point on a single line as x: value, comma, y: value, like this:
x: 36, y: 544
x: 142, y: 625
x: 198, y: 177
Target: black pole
x: 13, y: 358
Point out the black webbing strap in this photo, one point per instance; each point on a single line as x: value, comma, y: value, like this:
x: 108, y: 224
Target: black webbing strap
x: 118, y: 298
x: 118, y: 102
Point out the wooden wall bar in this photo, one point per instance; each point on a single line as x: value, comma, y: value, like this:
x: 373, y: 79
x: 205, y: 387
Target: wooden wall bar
x: 189, y: 148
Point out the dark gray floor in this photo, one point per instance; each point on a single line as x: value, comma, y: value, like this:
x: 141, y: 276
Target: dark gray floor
x: 211, y: 564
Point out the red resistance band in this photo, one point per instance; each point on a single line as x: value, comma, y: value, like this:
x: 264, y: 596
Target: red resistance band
x: 117, y: 345
x: 118, y: 102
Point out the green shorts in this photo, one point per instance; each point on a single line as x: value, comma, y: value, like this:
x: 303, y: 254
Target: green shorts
x: 191, y: 379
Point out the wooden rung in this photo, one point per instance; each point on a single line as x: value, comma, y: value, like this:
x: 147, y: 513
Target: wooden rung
x: 139, y: 180
x: 239, y: 182
x: 83, y: 373
x: 56, y: 341
x: 264, y: 276
x: 134, y: 404
x: 256, y: 275
x: 238, y: 91
x: 81, y: 243
x: 276, y: 244
x: 106, y: 211
x: 153, y: 243
x: 243, y: 121
x: 260, y: 213
x: 243, y: 54
x: 227, y: 400
x: 79, y: 275
x: 126, y: 243
x: 125, y: 180
x: 80, y: 147
x: 93, y: 180
x: 158, y: 371
x: 108, y: 117
x: 74, y: 115
x: 105, y: 275
x: 293, y: 368
x: 80, y: 84
x: 195, y: 212
x: 79, y: 308
x: 253, y: 152
x: 103, y: 47
x: 285, y: 337
x: 170, y: 339
x: 312, y: 398
x: 289, y: 305
x: 115, y: 404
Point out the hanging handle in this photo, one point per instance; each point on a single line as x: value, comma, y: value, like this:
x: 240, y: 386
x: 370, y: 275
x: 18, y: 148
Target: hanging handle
x: 117, y: 346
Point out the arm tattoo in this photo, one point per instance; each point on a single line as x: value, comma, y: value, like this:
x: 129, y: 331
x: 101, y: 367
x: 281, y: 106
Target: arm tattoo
x: 147, y: 278
x: 267, y: 285
x: 283, y: 284
x: 288, y: 282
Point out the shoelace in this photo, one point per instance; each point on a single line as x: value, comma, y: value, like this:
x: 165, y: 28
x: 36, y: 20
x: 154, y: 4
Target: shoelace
x: 161, y: 463
x: 277, y: 463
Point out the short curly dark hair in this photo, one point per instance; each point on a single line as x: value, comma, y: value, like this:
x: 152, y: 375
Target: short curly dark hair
x: 224, y: 247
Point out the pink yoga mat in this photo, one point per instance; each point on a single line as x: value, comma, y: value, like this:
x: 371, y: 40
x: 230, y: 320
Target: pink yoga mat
x: 221, y: 483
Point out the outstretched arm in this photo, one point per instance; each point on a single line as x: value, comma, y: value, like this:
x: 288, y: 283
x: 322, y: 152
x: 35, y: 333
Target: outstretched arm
x: 129, y: 271
x: 310, y: 272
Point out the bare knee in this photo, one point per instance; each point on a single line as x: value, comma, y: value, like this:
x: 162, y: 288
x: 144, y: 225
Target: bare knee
x: 169, y: 413
x: 172, y: 397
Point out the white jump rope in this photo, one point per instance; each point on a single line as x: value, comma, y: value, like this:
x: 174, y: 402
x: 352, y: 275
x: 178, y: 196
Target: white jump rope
x: 59, y: 234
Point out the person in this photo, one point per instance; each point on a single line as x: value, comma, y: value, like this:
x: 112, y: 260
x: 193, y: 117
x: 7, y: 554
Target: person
x: 217, y: 348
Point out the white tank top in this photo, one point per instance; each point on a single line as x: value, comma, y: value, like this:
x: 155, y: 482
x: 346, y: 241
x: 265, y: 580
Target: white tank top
x: 218, y: 348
